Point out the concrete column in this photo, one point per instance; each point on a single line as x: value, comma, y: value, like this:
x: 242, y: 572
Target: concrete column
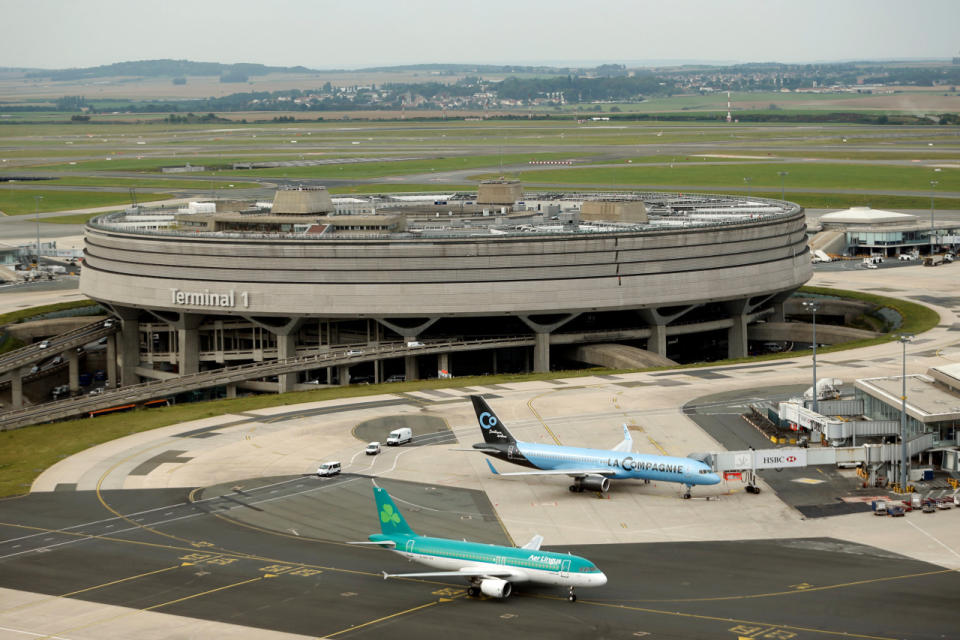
x: 377, y: 371
x: 541, y: 352
x: 779, y: 313
x: 443, y: 363
x: 737, y: 334
x: 112, y: 361
x: 494, y: 362
x: 343, y: 372
x: 232, y: 390
x: 411, y: 371
x: 188, y: 339
x: 73, y: 366
x: 657, y: 342
x: 16, y: 387
x: 129, y: 346
x: 286, y: 348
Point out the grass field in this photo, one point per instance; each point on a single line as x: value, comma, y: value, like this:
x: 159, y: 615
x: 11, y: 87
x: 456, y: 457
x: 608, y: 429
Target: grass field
x: 17, y: 202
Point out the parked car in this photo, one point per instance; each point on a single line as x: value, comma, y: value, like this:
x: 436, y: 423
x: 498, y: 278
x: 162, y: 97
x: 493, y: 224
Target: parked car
x: 372, y: 449
x: 328, y: 469
x: 354, y: 352
x: 396, y: 378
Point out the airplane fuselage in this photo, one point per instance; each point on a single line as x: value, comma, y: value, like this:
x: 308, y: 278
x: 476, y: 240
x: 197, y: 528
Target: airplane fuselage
x: 614, y: 464
x: 524, y: 565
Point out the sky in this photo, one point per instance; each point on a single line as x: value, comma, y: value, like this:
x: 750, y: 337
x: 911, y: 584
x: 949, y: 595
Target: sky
x: 324, y: 34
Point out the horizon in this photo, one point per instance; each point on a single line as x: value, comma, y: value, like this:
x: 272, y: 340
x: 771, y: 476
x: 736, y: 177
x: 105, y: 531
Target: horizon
x: 325, y: 35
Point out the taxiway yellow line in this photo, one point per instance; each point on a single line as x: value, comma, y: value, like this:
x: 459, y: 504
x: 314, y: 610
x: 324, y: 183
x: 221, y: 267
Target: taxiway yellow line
x: 392, y: 615
x: 96, y: 586
x: 156, y: 606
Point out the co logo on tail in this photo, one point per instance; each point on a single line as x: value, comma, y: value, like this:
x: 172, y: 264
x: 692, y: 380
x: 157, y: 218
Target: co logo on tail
x: 487, y: 420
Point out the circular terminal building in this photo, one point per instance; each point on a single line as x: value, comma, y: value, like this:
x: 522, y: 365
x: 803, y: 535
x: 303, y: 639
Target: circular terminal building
x: 615, y: 279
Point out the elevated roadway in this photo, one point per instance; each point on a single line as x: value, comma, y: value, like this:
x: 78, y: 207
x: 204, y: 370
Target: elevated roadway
x: 230, y: 376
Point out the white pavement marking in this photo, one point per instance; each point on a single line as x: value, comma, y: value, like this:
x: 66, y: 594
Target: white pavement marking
x: 934, y: 538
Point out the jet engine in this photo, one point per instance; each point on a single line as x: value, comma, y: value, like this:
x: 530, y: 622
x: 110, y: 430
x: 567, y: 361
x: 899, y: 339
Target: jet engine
x: 594, y: 483
x: 496, y: 588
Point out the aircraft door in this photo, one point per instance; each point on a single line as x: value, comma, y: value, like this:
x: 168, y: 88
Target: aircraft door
x: 565, y: 569
x: 409, y: 547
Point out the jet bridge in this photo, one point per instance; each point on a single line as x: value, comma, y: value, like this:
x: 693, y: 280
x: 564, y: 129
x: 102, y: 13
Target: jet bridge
x: 871, y: 456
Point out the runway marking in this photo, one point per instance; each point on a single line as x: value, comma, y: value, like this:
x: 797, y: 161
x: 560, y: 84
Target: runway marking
x: 97, y: 586
x: 932, y: 538
x: 162, y: 604
x: 534, y: 411
x: 392, y: 615
x: 657, y: 445
x: 752, y: 623
x: 31, y: 633
x: 808, y: 589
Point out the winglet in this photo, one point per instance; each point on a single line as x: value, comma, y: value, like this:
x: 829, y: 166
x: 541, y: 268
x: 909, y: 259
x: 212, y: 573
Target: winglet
x: 385, y: 575
x: 492, y: 468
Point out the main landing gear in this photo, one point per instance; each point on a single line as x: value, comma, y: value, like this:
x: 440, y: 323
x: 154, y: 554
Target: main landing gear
x: 572, y: 597
x: 686, y: 491
x: 473, y: 591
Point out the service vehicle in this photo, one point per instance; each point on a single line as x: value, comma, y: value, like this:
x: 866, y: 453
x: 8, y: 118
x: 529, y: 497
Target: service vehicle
x: 399, y: 436
x: 372, y: 449
x: 896, y: 510
x: 328, y: 469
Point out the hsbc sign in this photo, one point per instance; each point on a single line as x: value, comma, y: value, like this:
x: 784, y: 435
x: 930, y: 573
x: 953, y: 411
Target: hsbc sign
x: 781, y: 458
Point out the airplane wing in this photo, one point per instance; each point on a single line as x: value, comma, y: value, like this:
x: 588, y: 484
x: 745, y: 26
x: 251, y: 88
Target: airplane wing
x: 554, y: 472
x: 389, y: 543
x: 483, y: 572
x: 626, y: 445
x: 534, y: 544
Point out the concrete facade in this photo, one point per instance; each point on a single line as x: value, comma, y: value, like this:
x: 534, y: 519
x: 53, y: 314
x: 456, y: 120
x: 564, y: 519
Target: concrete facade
x: 178, y: 291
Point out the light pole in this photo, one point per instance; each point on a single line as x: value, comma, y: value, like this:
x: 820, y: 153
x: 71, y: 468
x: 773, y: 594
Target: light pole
x: 933, y: 184
x: 782, y: 175
x: 37, y: 199
x: 811, y: 306
x: 904, y: 338
x: 747, y: 182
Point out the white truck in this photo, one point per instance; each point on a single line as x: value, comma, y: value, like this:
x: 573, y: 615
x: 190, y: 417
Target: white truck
x: 399, y: 436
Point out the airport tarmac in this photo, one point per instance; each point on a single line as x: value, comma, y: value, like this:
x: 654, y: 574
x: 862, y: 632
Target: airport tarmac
x: 108, y: 530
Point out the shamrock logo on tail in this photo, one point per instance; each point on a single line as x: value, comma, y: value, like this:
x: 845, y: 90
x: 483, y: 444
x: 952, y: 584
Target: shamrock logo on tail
x: 389, y: 515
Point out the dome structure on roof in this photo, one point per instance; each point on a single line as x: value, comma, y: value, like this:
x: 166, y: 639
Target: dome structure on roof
x: 866, y: 216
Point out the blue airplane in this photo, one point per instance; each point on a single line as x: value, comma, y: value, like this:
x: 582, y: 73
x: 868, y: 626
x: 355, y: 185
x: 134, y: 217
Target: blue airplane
x: 491, y: 569
x: 591, y: 469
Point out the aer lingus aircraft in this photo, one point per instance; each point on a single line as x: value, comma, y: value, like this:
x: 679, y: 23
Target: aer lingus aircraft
x: 591, y: 469
x: 491, y: 569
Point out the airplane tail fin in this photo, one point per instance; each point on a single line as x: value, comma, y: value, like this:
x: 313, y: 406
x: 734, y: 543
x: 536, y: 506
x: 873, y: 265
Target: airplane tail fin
x: 494, y: 431
x: 391, y: 520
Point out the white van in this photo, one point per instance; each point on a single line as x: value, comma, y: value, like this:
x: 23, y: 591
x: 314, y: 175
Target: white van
x: 328, y: 469
x: 399, y: 436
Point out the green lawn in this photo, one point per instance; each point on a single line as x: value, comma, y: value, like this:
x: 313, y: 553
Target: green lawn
x: 150, y: 183
x: 17, y: 202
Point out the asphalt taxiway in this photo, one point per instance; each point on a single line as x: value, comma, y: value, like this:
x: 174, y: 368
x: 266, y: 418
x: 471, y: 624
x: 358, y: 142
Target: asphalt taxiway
x: 107, y: 564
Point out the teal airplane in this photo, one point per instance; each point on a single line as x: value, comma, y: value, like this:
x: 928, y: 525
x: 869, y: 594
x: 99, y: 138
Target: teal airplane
x: 491, y: 569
